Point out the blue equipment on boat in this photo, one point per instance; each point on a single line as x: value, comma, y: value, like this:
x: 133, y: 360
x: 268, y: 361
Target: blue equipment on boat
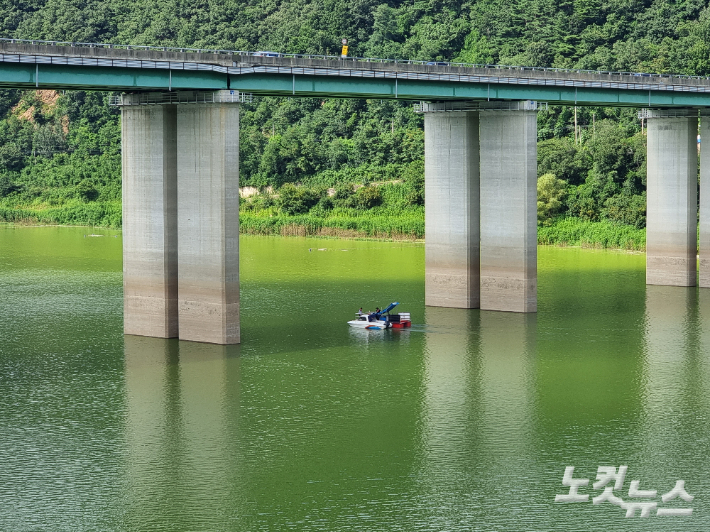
x: 385, y: 311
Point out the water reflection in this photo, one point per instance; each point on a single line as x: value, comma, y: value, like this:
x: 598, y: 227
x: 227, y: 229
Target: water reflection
x: 701, y: 366
x: 478, y: 412
x: 451, y: 385
x: 450, y: 379
x: 205, y: 446
x: 507, y: 363
x: 669, y: 349
x: 669, y: 317
x: 151, y: 413
x: 507, y: 413
x: 177, y: 433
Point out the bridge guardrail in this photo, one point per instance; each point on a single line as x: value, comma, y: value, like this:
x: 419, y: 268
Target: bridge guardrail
x: 339, y: 58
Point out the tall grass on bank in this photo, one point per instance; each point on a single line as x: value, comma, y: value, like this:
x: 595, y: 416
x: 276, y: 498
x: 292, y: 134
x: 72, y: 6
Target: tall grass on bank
x: 604, y: 234
x: 104, y: 214
x: 401, y: 227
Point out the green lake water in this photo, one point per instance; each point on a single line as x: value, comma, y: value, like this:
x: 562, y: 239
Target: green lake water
x: 465, y: 422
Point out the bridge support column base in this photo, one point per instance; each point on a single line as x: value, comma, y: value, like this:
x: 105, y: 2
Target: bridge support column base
x: 509, y: 210
x: 671, y: 228
x: 452, y: 209
x: 208, y: 222
x: 149, y: 158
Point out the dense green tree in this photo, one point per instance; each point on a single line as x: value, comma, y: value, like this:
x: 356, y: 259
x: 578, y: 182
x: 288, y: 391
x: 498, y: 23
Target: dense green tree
x: 367, y: 197
x: 551, y: 193
x: 296, y: 200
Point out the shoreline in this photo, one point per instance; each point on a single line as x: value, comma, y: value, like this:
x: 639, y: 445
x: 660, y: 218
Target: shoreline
x: 568, y: 232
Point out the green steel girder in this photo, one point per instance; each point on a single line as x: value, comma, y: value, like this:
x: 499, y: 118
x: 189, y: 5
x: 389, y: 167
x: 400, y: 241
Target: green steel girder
x: 353, y: 87
x: 24, y: 75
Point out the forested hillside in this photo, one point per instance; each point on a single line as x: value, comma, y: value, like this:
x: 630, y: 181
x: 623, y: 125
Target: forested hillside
x: 60, y: 153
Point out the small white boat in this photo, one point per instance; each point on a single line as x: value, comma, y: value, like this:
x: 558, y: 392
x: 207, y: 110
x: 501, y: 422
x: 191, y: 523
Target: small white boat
x: 369, y: 321
x: 382, y: 319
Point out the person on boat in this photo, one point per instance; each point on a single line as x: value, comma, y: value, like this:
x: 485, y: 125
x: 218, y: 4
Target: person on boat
x: 359, y: 312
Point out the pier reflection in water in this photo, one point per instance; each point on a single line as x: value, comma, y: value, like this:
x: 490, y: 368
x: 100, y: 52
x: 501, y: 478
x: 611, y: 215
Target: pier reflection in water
x: 675, y: 392
x: 178, y: 421
x: 700, y: 368
x: 669, y: 342
x: 450, y: 405
x: 477, y: 415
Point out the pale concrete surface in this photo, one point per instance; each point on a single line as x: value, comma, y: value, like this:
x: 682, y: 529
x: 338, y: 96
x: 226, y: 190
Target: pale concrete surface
x: 508, y: 210
x: 704, y: 219
x: 451, y: 168
x: 671, y: 222
x: 208, y: 222
x: 150, y: 279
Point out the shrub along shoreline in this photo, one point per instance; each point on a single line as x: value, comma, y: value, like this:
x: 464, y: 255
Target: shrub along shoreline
x: 602, y: 234
x: 380, y: 227
x: 100, y: 214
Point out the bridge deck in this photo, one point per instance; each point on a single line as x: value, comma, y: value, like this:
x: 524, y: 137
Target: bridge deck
x: 25, y: 65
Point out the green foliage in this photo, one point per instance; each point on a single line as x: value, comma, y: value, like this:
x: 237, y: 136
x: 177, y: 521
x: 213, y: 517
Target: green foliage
x: 326, y: 141
x: 86, y: 190
x: 606, y: 168
x: 10, y: 156
x: 551, y: 193
x: 367, y: 197
x: 604, y: 234
x: 6, y: 186
x: 106, y: 214
x: 257, y: 202
x: 47, y: 139
x: 8, y: 99
x: 296, y: 200
x: 403, y: 226
x: 659, y: 36
x: 627, y: 209
x: 343, y: 193
x: 477, y: 50
x: 561, y: 157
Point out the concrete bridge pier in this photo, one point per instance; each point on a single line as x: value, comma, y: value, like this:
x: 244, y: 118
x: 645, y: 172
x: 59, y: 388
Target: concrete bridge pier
x: 671, y: 188
x: 704, y: 219
x: 208, y: 222
x: 451, y: 168
x: 150, y: 239
x: 481, y: 205
x: 181, y: 215
x: 508, y: 133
